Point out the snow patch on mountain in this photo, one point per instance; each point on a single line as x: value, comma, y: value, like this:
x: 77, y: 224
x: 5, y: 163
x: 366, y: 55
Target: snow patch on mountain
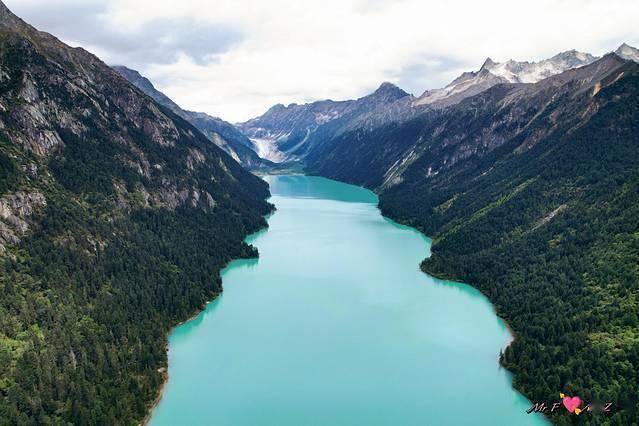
x: 466, y: 85
x: 325, y: 117
x: 268, y: 150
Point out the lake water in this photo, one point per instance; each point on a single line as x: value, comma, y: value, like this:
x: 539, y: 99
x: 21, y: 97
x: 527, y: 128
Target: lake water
x: 336, y: 325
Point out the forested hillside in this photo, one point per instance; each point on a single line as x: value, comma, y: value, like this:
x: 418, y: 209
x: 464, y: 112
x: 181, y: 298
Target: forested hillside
x: 115, y: 218
x: 531, y: 193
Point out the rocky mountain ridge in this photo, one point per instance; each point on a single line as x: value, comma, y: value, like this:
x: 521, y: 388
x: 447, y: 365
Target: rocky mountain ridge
x: 288, y: 132
x: 222, y: 133
x: 492, y: 73
x: 628, y: 52
x: 501, y: 113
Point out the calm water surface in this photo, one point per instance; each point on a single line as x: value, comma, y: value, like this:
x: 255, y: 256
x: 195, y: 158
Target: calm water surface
x: 336, y: 325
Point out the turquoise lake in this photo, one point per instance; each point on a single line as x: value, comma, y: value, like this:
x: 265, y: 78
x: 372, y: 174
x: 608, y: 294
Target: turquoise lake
x: 335, y: 324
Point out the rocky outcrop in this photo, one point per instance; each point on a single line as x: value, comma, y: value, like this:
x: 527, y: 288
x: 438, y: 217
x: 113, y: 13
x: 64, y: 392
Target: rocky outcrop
x: 16, y: 210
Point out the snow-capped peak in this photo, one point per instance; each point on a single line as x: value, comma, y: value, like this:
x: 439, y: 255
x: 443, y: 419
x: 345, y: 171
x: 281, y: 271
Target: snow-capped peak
x: 492, y: 73
x: 532, y: 72
x: 628, y: 52
x: 488, y: 64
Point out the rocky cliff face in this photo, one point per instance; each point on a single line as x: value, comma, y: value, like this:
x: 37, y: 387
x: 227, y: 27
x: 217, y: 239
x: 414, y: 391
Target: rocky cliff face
x: 52, y: 96
x: 16, y: 210
x: 222, y: 133
x: 58, y: 104
x: 116, y: 216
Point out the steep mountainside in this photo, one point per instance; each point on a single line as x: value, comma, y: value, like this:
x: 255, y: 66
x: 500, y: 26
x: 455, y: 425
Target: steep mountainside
x: 531, y: 192
x: 222, y: 133
x: 287, y: 133
x: 116, y: 216
x: 479, y: 124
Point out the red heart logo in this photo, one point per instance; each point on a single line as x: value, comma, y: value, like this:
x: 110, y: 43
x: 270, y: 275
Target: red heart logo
x: 571, y: 403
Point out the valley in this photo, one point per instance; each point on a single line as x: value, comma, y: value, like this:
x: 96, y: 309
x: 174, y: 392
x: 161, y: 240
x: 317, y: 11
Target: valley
x: 122, y: 214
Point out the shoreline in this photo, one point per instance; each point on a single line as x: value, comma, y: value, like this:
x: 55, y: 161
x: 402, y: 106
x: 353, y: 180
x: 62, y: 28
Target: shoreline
x: 158, y: 397
x: 440, y: 277
x: 511, y: 331
x: 165, y: 374
x: 196, y: 313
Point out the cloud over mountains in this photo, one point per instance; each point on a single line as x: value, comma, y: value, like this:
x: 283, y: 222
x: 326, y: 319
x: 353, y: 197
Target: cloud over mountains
x: 236, y: 58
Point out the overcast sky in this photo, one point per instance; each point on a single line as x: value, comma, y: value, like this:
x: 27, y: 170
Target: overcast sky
x: 236, y: 58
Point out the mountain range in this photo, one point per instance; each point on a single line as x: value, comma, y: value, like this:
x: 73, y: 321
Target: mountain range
x: 287, y: 133
x: 492, y: 73
x: 295, y: 132
x: 502, y: 112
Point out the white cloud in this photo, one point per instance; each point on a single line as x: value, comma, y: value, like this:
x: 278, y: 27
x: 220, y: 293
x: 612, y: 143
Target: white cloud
x: 235, y: 58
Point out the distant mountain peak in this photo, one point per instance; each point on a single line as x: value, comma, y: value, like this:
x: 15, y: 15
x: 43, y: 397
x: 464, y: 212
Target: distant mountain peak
x: 145, y: 85
x: 628, y: 52
x: 573, y: 57
x: 532, y: 72
x: 134, y: 76
x: 488, y: 64
x: 387, y: 85
x: 388, y: 89
x: 277, y: 108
